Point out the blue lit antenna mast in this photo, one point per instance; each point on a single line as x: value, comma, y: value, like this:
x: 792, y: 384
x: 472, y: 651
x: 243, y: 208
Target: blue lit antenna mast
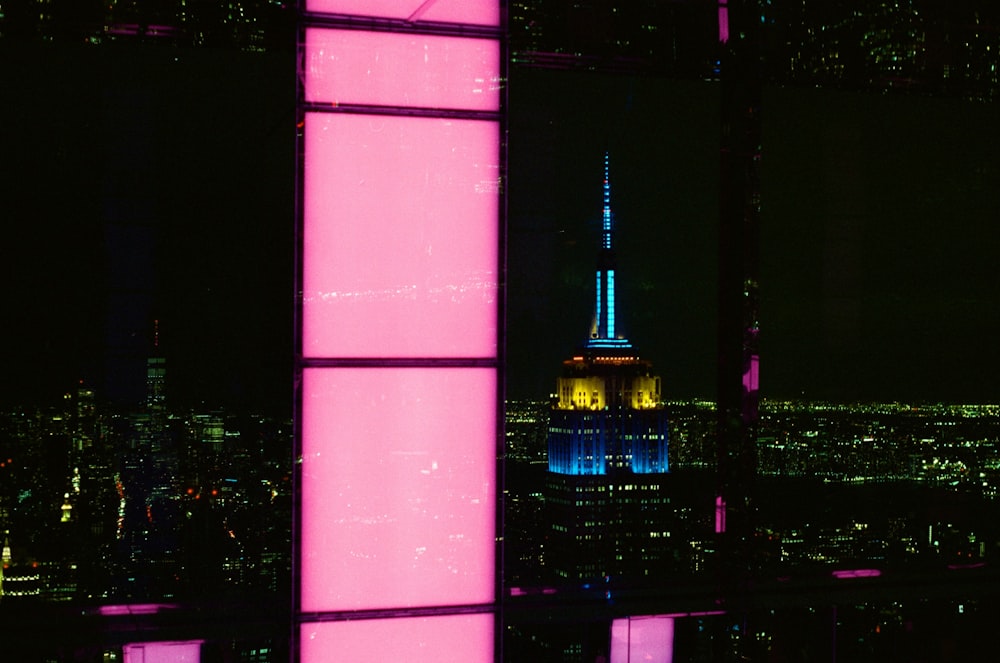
x: 602, y: 330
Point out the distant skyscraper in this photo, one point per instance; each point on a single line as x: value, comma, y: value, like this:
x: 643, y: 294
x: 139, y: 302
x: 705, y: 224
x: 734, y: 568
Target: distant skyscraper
x: 156, y: 374
x: 607, y: 446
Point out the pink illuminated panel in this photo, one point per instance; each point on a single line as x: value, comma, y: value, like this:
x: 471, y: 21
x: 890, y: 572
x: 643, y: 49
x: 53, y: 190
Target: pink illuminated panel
x: 163, y: 652
x: 399, y: 260
x: 135, y: 608
x: 476, y: 12
x: 723, y: 21
x: 398, y: 487
x: 400, y: 245
x: 466, y: 638
x: 856, y: 573
x: 642, y: 639
x: 387, y: 69
x: 751, y: 376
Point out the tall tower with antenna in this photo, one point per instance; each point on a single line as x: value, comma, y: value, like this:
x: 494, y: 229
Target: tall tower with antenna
x: 607, y: 446
x: 156, y: 373
x: 603, y: 333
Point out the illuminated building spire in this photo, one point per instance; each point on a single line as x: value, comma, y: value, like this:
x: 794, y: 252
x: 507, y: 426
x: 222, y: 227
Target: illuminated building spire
x: 602, y: 329
x: 606, y: 239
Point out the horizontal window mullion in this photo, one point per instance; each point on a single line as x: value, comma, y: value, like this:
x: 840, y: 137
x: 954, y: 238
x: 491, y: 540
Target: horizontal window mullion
x: 401, y: 111
x: 390, y: 613
x: 400, y: 26
x: 401, y: 362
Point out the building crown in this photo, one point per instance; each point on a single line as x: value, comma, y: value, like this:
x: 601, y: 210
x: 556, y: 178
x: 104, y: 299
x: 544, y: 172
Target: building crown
x: 602, y: 329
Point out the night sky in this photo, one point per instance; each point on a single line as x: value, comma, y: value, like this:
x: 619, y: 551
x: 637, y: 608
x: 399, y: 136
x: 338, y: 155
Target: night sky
x: 158, y: 184
x: 662, y: 141
x: 148, y: 184
x: 879, y: 235
x: 879, y: 247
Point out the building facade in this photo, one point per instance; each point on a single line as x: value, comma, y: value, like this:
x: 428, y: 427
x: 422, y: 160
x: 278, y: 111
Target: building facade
x: 606, y: 489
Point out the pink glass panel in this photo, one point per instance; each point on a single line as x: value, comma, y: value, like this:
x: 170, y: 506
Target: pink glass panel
x: 398, y: 487
x: 466, y: 638
x: 723, y: 22
x: 974, y: 565
x: 135, y: 608
x: 400, y: 237
x: 857, y: 573
x: 388, y: 69
x: 642, y: 639
x: 163, y: 652
x: 720, y: 515
x: 751, y: 376
x: 476, y: 12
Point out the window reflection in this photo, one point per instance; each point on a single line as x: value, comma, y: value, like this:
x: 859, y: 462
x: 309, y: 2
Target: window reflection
x: 875, y: 460
x: 868, y: 459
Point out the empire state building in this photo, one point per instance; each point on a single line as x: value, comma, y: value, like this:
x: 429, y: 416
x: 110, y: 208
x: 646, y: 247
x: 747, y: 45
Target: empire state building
x: 607, y: 448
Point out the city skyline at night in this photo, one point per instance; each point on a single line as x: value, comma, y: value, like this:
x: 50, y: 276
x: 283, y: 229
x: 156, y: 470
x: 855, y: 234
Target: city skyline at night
x: 875, y: 224
x: 288, y: 307
x: 862, y: 279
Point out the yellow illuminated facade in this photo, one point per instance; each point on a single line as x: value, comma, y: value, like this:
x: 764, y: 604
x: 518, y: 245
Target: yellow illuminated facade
x: 589, y: 385
x: 608, y: 416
